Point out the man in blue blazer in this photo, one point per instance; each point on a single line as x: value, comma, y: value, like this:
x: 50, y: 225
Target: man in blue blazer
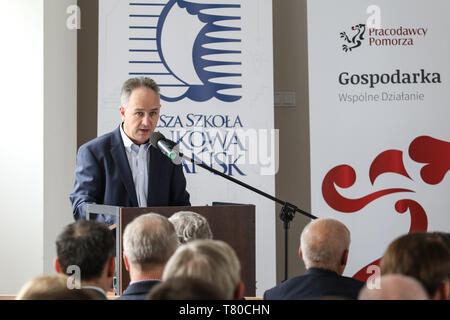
x: 324, y: 248
x: 121, y: 168
x: 148, y: 243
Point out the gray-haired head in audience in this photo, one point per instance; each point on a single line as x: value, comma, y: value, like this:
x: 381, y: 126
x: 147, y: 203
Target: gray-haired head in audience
x: 394, y: 287
x: 213, y: 261
x: 190, y: 226
x: 52, y: 288
x: 324, y: 243
x: 148, y: 242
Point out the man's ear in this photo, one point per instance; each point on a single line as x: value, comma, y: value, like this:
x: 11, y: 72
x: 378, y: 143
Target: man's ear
x: 443, y: 291
x: 122, y: 112
x: 344, y: 258
x: 57, y: 266
x: 239, y: 291
x: 300, y: 252
x: 446, y: 290
x: 125, y: 261
x: 111, y: 266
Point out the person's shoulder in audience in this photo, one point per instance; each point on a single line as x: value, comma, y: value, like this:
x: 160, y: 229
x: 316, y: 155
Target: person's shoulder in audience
x: 315, y: 284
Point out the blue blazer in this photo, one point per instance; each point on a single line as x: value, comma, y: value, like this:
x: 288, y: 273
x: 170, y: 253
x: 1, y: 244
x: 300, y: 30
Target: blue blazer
x: 103, y: 176
x: 315, y: 284
x: 138, y: 290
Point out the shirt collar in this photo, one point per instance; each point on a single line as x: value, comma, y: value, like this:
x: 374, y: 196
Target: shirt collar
x: 315, y: 270
x: 126, y: 141
x: 95, y: 288
x: 146, y: 280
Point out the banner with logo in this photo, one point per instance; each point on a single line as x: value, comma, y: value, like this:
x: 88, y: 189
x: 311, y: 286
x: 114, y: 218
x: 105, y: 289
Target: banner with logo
x: 379, y: 78
x: 213, y: 62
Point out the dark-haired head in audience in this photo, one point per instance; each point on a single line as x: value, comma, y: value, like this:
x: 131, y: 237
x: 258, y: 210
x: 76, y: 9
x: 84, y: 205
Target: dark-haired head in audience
x: 394, y: 287
x: 324, y: 248
x: 85, y: 249
x: 148, y: 243
x: 52, y: 288
x: 185, y: 288
x: 423, y: 256
x: 190, y: 226
x: 213, y: 261
x: 445, y: 236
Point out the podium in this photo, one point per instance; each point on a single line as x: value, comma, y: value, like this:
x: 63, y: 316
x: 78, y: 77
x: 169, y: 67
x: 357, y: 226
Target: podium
x: 234, y: 224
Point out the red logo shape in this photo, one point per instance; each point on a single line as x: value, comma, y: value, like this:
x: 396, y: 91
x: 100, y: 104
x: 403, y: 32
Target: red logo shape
x: 433, y: 152
x: 388, y: 161
x: 419, y: 222
x: 344, y: 176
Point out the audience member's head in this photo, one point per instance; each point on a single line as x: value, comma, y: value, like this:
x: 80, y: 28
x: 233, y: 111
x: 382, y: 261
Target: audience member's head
x: 89, y: 247
x: 52, y: 288
x: 394, y: 287
x: 213, y: 261
x: 190, y: 226
x: 148, y: 243
x: 185, y: 288
x: 445, y: 236
x: 423, y: 256
x: 324, y: 244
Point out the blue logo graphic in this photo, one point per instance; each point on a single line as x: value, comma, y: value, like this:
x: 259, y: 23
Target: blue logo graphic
x: 190, y: 48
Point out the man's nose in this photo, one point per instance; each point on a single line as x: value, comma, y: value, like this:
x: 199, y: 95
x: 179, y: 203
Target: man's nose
x: 146, y: 120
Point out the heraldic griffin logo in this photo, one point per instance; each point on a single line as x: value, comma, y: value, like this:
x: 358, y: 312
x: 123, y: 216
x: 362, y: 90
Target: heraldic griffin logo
x: 354, y: 41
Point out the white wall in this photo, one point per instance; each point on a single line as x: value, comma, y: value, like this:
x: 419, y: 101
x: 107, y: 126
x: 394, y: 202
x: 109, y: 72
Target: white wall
x: 22, y: 139
x: 38, y: 111
x: 60, y: 116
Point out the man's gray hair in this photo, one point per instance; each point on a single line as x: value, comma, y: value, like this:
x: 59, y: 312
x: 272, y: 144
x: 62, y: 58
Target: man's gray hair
x: 190, y: 226
x: 213, y: 261
x: 135, y: 83
x: 150, y: 239
x: 323, y: 241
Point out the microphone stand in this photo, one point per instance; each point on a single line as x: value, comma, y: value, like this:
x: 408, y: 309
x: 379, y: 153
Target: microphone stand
x: 287, y: 211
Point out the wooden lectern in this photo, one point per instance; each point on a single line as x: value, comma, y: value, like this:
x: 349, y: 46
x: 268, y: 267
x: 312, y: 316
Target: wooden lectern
x: 234, y: 224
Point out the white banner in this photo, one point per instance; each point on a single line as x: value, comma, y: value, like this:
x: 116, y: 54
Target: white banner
x: 213, y: 63
x: 379, y: 78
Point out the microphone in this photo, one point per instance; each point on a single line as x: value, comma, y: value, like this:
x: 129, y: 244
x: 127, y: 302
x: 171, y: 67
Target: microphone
x: 166, y: 146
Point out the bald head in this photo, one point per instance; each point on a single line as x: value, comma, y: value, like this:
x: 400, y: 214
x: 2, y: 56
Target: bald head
x: 395, y: 287
x: 324, y: 244
x: 149, y: 240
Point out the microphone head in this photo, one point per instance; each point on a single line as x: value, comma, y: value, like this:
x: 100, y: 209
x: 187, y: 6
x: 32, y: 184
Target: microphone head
x: 155, y: 137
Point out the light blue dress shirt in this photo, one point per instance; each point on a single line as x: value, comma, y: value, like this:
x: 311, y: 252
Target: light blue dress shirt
x: 138, y: 159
